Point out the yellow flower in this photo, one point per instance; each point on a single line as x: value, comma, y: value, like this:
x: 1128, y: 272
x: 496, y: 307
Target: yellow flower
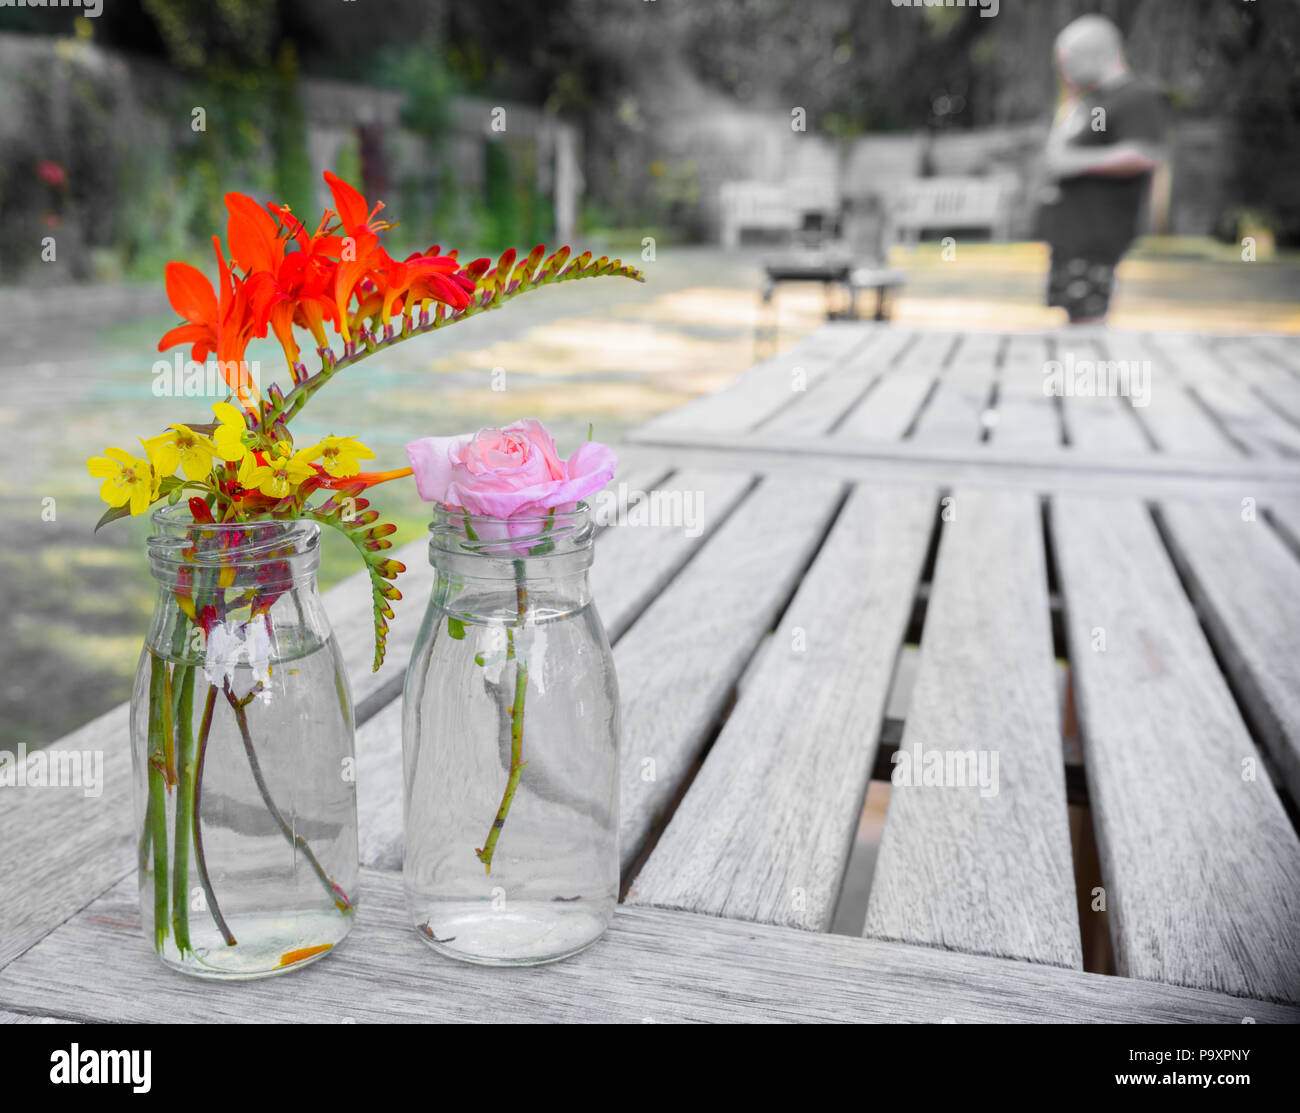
x: 283, y: 471
x: 181, y: 447
x: 340, y: 456
x: 228, y: 437
x: 126, y: 478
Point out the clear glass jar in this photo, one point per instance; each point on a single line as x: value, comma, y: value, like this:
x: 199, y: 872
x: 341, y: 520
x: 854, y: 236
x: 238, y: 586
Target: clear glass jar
x: 242, y: 733
x: 510, y: 743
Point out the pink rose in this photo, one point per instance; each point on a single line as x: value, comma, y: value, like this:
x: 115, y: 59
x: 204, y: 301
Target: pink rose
x: 502, y: 473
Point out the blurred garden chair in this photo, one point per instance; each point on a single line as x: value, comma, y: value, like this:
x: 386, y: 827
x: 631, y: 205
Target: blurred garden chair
x: 850, y: 255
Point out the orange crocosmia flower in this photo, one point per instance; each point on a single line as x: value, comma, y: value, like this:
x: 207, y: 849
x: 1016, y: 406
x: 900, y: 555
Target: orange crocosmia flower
x: 192, y: 296
x: 446, y: 281
x: 357, y: 247
x: 285, y: 288
x: 238, y: 326
x: 350, y: 205
x: 421, y: 278
x: 217, y: 321
x: 255, y: 240
x: 317, y: 260
x: 381, y: 284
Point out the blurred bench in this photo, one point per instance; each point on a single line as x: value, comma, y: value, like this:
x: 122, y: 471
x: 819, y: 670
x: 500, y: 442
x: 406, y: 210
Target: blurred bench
x: 775, y: 211
x: 948, y: 204
x: 913, y: 206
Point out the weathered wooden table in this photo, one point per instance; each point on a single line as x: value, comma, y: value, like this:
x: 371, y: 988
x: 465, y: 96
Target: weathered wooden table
x: 866, y: 490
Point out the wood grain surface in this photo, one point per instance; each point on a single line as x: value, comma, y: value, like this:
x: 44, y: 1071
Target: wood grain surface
x: 766, y: 828
x: 653, y: 966
x: 982, y: 865
x: 1200, y: 865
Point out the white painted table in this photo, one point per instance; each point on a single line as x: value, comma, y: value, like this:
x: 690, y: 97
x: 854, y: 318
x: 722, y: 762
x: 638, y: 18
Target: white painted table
x: 756, y: 658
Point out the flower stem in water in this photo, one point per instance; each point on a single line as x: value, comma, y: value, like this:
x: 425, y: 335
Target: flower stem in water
x: 184, y: 809
x: 200, y: 861
x: 159, y: 720
x: 516, y: 726
x: 339, y: 897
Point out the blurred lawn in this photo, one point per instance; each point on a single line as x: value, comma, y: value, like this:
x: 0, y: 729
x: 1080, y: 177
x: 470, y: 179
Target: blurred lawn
x: 78, y: 372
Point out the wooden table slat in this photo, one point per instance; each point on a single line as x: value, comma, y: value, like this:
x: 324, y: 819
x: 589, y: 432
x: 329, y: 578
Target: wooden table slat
x: 823, y: 405
x: 1176, y: 420
x: 63, y: 848
x: 1099, y: 423
x: 1200, y: 865
x: 955, y: 413
x: 634, y: 564
x: 654, y: 965
x: 680, y: 660
x: 1026, y: 418
x: 1263, y: 369
x: 765, y: 830
x: 1284, y: 513
x: 767, y: 388
x: 889, y: 410
x: 983, y: 868
x: 1250, y: 423
x: 7, y: 1017
x: 1246, y: 583
x: 996, y: 463
x: 1280, y: 353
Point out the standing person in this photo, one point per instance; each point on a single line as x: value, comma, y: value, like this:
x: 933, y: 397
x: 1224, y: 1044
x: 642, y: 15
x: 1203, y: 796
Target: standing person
x: 1105, y: 143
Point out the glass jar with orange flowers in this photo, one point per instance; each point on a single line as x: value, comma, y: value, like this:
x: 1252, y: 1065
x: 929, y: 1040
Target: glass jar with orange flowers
x: 242, y: 748
x: 241, y: 717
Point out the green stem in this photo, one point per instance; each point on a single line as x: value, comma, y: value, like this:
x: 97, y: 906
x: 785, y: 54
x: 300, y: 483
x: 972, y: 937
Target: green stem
x: 204, y: 588
x: 158, y: 721
x: 565, y: 270
x: 486, y: 852
x: 146, y: 833
x: 300, y: 394
x: 339, y: 897
x: 184, y: 810
x: 200, y: 860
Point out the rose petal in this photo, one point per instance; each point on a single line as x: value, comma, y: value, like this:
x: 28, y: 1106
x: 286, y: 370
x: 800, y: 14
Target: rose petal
x: 542, y: 440
x: 432, y: 462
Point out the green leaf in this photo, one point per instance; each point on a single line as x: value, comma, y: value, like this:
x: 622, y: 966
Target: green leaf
x: 112, y: 514
x: 456, y: 628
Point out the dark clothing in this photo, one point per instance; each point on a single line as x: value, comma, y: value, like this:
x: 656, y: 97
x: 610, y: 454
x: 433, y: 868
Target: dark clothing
x: 1095, y: 217
x: 1082, y: 287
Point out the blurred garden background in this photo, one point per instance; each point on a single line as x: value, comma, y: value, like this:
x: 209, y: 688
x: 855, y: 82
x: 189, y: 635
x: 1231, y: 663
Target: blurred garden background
x: 690, y: 138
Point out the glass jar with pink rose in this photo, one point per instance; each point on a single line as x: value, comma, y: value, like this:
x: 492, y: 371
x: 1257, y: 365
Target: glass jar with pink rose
x: 510, y: 716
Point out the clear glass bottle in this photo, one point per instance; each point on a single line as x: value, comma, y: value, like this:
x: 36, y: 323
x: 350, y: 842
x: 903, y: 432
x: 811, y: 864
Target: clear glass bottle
x: 510, y: 742
x: 242, y: 748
